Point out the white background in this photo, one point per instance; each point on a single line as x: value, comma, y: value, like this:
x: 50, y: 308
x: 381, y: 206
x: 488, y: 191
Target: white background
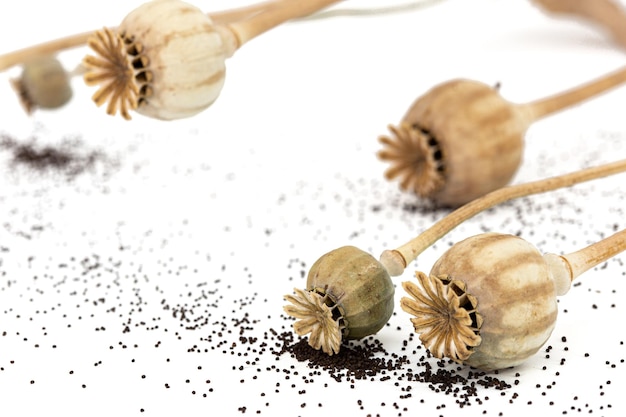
x: 236, y: 203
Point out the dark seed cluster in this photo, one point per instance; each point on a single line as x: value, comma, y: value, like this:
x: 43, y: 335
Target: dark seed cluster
x: 69, y: 158
x: 129, y: 291
x: 371, y: 361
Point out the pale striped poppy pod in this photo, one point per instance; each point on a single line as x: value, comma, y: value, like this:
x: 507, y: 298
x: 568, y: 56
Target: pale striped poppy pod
x: 489, y: 302
x: 166, y: 60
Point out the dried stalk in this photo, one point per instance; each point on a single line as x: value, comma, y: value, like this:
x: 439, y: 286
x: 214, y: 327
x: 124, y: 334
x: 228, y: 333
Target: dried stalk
x: 607, y: 14
x: 225, y: 17
x: 222, y: 18
x: 250, y: 28
x: 396, y: 260
x: 584, y: 259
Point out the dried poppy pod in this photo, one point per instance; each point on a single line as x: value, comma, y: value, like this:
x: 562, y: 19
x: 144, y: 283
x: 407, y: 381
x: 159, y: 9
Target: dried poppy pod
x: 462, y: 140
x: 457, y: 142
x: 490, y: 301
x: 348, y: 295
x: 43, y: 83
x: 167, y: 58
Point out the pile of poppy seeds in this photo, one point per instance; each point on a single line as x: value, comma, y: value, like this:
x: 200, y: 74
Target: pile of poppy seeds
x: 69, y: 158
x: 114, y: 303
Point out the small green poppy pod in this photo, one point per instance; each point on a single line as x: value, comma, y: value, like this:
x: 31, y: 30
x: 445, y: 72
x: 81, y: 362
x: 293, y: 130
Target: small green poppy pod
x: 349, y: 295
x: 44, y: 84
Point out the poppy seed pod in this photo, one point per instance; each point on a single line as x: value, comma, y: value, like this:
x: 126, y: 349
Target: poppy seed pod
x: 490, y: 301
x: 349, y: 295
x: 457, y: 142
x: 462, y: 140
x: 44, y: 84
x: 166, y: 60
